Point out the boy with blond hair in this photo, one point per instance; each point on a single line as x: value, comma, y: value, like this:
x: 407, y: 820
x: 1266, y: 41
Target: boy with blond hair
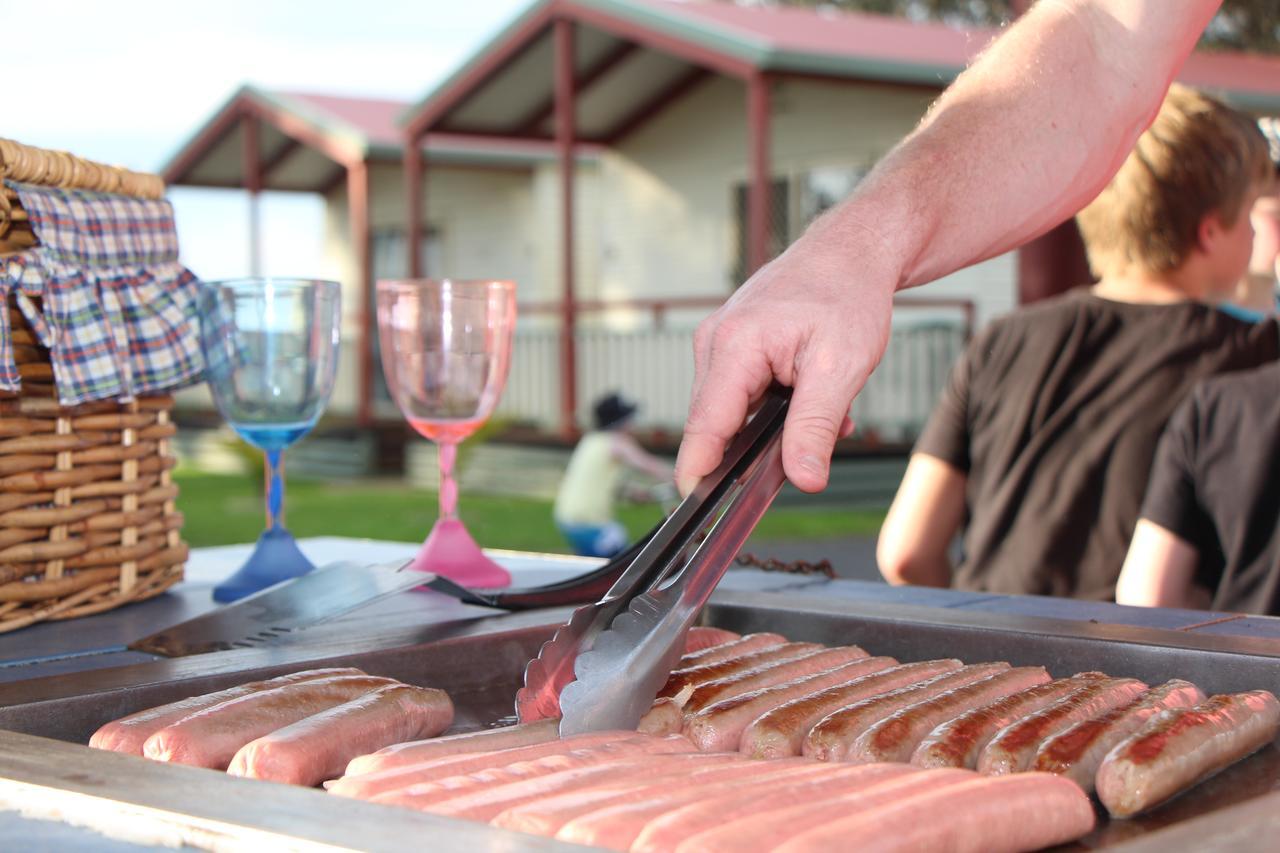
x: 1043, y: 441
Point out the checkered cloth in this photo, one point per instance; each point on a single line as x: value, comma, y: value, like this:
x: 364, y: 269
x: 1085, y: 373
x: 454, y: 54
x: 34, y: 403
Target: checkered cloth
x: 119, y: 311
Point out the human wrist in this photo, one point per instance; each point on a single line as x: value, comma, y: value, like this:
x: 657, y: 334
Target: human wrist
x: 853, y: 244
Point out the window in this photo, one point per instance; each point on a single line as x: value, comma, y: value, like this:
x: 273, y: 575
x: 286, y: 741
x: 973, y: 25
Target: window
x: 825, y: 187
x: 779, y: 223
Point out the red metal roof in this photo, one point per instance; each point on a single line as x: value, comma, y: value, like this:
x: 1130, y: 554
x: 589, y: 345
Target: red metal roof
x: 376, y: 119
x: 835, y: 32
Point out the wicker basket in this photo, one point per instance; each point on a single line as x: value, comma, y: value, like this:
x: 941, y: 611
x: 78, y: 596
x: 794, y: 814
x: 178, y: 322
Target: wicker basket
x: 87, y: 515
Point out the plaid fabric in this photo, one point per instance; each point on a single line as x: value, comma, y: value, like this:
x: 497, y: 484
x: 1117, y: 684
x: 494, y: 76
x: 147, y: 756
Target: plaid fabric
x: 119, y: 311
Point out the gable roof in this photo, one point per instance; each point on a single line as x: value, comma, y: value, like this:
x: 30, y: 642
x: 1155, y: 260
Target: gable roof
x: 307, y: 140
x: 505, y: 87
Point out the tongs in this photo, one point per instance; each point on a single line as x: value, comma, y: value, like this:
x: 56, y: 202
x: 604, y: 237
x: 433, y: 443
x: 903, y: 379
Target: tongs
x: 603, y: 668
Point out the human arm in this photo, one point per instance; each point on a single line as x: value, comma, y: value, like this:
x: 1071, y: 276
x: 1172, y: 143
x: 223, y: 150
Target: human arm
x: 1021, y: 141
x: 921, y: 523
x: 1158, y: 570
x: 627, y: 450
x: 1160, y: 567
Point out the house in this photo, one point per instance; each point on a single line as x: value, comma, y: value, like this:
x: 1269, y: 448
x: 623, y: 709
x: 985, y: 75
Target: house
x: 628, y: 163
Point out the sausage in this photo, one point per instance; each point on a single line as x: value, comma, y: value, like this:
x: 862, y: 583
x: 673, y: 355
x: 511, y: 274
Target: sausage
x: 1077, y: 752
x: 896, y: 737
x: 683, y: 680
x: 211, y: 737
x: 667, y: 829
x: 719, y: 727
x: 416, y: 752
x: 769, y: 824
x: 128, y: 734
x: 700, y: 639
x: 522, y: 761
x: 979, y: 815
x: 1177, y: 749
x: 769, y: 675
x: 318, y: 747
x: 619, y: 827
x: 746, y: 644
x: 486, y: 802
x: 781, y: 731
x: 958, y: 742
x: 1013, y: 748
x: 665, y: 717
x: 547, y: 815
x: 831, y: 736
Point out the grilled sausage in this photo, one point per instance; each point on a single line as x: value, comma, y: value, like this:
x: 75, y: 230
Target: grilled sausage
x: 416, y: 752
x: 1014, y: 747
x: 768, y: 825
x: 619, y: 827
x: 211, y: 737
x: 547, y: 815
x: 958, y: 742
x: 128, y: 734
x: 719, y: 727
x: 318, y: 747
x: 682, y: 680
x: 830, y: 737
x: 781, y: 731
x: 700, y: 639
x: 1077, y: 752
x: 1177, y: 749
x: 665, y: 717
x: 980, y: 815
x: 896, y: 737
x: 745, y: 645
x: 780, y: 672
x: 526, y: 760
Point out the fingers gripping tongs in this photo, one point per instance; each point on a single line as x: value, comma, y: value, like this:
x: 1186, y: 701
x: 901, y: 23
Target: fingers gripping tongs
x: 604, y: 667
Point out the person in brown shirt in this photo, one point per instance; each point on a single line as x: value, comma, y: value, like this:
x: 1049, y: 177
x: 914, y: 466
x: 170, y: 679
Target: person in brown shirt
x: 1042, y: 444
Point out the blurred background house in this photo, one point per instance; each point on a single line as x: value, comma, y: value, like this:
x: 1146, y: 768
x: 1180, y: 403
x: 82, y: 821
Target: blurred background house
x: 629, y: 163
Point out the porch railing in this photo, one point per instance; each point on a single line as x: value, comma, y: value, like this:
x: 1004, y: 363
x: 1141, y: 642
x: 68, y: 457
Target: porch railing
x: 644, y: 348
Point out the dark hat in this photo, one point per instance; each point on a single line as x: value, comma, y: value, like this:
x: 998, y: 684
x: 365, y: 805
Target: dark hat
x: 612, y: 410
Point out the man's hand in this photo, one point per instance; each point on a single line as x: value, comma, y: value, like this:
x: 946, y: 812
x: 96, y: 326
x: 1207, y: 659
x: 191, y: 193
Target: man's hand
x: 799, y: 320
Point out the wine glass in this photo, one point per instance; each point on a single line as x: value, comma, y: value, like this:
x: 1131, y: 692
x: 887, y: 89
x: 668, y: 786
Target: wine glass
x: 271, y: 350
x: 446, y: 348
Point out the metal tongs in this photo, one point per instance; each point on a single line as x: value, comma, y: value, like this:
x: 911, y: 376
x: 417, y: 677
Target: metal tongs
x: 603, y: 668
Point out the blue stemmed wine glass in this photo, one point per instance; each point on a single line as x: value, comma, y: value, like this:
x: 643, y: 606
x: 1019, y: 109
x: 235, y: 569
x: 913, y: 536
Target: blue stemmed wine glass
x: 271, y: 350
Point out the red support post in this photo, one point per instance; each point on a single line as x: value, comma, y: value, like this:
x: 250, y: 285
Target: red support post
x: 758, y: 132
x: 253, y: 183
x: 358, y: 214
x: 414, y: 171
x: 566, y: 127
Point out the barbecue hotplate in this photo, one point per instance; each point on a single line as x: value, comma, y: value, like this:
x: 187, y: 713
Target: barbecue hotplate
x: 481, y: 662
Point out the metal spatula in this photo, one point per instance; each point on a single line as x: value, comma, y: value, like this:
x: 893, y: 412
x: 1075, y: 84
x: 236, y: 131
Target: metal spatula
x: 603, y: 668
x: 329, y: 591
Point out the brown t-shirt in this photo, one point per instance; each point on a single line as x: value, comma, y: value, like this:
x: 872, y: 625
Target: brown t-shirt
x: 1053, y: 413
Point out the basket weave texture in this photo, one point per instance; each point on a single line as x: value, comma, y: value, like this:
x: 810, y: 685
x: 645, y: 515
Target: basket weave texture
x: 87, y: 514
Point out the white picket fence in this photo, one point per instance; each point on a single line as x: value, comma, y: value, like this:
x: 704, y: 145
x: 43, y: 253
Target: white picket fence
x: 654, y: 366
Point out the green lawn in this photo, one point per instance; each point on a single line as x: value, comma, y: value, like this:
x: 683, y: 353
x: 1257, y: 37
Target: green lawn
x: 224, y: 509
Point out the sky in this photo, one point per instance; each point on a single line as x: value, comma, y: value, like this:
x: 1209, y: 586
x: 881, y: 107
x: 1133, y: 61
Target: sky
x: 130, y: 81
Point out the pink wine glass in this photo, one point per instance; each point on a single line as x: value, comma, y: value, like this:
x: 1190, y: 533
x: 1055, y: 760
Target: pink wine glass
x: 446, y: 348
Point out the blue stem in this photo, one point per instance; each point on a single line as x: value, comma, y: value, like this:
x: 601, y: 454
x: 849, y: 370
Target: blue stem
x: 275, y: 490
